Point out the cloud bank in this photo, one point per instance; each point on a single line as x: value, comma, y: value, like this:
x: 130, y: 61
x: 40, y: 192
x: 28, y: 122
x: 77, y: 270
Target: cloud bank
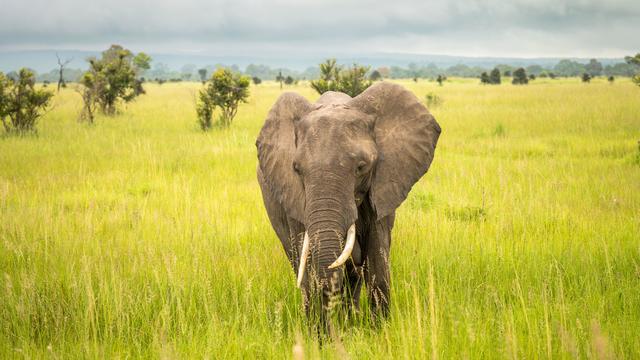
x: 522, y: 28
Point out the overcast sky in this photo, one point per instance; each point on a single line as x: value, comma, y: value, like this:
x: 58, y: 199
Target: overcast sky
x: 520, y: 28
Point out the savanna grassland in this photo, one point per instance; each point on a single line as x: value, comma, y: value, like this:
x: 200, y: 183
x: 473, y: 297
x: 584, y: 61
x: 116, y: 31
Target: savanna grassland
x: 141, y: 236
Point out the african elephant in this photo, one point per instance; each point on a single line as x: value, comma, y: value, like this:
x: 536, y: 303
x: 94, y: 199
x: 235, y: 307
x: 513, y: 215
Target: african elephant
x: 339, y: 168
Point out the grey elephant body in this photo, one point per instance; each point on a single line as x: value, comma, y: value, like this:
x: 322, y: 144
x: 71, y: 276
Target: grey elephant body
x: 338, y: 162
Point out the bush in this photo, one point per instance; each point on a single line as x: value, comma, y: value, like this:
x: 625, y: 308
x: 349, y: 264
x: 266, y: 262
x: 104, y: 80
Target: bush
x: 351, y: 81
x: 520, y: 77
x: 21, y: 104
x: 586, y: 77
x: 203, y: 75
x: 494, y: 77
x: 256, y: 80
x: 113, y: 78
x: 484, y: 78
x: 288, y: 80
x: 89, y: 100
x: 225, y: 90
x: 441, y: 79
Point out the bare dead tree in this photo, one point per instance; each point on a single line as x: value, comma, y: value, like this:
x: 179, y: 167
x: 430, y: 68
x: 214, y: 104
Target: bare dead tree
x: 61, y: 66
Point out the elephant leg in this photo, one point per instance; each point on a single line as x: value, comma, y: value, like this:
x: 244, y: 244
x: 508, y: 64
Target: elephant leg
x: 352, y: 286
x: 376, y: 266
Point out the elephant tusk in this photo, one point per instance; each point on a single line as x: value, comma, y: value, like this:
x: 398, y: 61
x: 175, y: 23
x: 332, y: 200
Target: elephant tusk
x: 348, y: 248
x: 303, y: 257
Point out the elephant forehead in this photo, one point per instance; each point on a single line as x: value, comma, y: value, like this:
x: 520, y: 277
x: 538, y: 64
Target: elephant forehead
x: 336, y: 117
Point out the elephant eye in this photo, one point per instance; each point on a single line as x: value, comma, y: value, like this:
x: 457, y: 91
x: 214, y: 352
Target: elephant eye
x: 296, y: 167
x: 362, y: 165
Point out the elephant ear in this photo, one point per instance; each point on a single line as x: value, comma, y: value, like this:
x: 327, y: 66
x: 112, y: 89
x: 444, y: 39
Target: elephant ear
x: 406, y: 135
x: 276, y: 148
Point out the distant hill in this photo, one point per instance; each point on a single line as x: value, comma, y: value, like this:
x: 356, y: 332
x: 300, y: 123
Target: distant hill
x: 45, y: 60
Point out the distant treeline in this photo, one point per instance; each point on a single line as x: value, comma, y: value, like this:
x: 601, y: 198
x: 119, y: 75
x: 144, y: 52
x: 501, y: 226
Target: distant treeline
x: 191, y: 72
x: 563, y: 68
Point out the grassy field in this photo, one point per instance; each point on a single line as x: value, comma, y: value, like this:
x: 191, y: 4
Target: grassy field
x: 141, y: 236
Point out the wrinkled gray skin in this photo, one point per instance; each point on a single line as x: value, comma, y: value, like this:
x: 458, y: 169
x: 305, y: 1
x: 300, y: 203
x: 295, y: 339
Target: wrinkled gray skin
x: 342, y: 160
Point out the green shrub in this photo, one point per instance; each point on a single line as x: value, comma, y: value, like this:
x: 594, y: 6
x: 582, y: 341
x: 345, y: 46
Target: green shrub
x: 520, y: 77
x: 114, y: 78
x: 333, y: 77
x: 224, y: 90
x: 21, y: 104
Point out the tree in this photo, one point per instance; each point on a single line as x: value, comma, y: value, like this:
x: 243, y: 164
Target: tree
x: 520, y: 77
x: 534, y: 69
x: 112, y: 78
x: 21, y: 102
x: 375, y: 75
x: 594, y: 68
x: 620, y: 69
x: 5, y: 83
x: 505, y: 70
x: 256, y: 80
x: 280, y: 79
x: 225, y: 90
x: 13, y: 75
x: 61, y: 66
x: 351, y: 81
x: 586, y: 77
x: 89, y: 94
x: 329, y: 77
x: 568, y: 68
x: 288, y: 80
x: 532, y: 77
x: 141, y: 63
x: 611, y: 79
x: 484, y: 78
x: 494, y: 77
x: 635, y: 61
x: 203, y: 74
x: 441, y: 79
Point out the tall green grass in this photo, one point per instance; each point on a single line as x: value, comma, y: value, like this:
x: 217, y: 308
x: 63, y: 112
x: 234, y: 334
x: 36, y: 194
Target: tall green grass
x: 141, y: 236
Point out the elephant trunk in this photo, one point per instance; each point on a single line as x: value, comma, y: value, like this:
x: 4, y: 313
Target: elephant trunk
x: 330, y: 212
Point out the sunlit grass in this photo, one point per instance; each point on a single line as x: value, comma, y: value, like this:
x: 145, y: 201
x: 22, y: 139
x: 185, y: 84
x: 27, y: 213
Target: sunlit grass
x: 143, y: 236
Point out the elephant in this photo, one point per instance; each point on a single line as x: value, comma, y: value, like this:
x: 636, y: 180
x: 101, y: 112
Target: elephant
x: 332, y: 174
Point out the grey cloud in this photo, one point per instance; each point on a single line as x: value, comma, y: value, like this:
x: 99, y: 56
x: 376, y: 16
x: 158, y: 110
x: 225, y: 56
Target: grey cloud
x: 571, y: 26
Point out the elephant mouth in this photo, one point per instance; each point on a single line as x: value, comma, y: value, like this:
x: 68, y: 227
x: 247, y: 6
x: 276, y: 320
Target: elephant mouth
x: 344, y: 256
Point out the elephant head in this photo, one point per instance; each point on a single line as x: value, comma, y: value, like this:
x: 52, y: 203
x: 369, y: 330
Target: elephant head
x: 322, y: 161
